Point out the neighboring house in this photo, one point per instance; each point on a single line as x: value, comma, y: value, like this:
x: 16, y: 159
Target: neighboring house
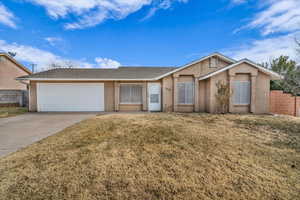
x: 191, y: 88
x: 10, y: 69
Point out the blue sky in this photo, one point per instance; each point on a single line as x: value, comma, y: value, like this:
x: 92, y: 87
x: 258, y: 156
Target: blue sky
x: 109, y: 33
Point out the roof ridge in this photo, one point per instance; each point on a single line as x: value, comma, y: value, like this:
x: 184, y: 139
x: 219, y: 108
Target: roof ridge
x: 147, y: 66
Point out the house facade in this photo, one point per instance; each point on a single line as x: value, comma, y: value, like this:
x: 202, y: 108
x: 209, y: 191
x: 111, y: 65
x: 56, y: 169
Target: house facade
x: 10, y: 69
x: 190, y: 88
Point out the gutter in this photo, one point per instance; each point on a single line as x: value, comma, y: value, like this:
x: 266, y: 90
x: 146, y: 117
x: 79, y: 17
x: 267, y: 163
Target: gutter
x: 68, y: 79
x: 22, y: 81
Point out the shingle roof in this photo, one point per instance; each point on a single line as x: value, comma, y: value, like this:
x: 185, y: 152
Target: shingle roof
x: 119, y: 73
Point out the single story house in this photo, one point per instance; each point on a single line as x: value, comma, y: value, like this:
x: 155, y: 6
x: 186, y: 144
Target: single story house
x: 190, y: 88
x: 10, y: 69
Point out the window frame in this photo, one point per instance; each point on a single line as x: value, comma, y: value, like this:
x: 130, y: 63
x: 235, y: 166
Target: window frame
x: 131, y: 103
x: 234, y: 97
x: 216, y: 62
x: 185, y: 97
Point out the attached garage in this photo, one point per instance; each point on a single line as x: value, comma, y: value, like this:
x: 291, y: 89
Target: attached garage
x: 70, y: 97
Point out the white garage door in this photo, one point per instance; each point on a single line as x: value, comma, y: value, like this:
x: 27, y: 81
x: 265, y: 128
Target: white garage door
x: 70, y: 97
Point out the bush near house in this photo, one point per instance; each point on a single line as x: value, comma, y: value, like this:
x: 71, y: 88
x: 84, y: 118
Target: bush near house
x: 160, y: 156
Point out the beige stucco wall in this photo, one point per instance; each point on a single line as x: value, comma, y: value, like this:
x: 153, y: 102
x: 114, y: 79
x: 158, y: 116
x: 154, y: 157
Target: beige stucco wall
x: 201, y: 68
x: 109, y: 91
x: 201, y: 96
x: 167, y: 94
x: 8, y: 72
x: 202, y: 88
x: 260, y: 88
x: 262, y: 94
x: 32, y: 97
x: 130, y: 107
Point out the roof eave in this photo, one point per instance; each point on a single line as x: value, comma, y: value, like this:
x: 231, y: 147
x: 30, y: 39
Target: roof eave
x: 72, y: 79
x: 197, y: 61
x: 17, y: 63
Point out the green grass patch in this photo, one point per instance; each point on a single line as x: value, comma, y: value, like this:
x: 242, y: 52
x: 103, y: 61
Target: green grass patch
x: 12, y: 111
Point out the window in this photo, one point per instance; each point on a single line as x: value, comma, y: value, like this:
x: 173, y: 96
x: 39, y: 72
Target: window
x: 154, y: 98
x: 185, y: 93
x: 131, y: 94
x: 213, y: 62
x: 242, y: 92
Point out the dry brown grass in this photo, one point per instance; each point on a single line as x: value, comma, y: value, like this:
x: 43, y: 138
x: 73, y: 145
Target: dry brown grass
x: 11, y: 111
x: 160, y: 156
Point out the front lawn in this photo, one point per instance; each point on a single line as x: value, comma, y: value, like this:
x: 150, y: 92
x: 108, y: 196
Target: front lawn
x: 11, y: 111
x: 160, y: 156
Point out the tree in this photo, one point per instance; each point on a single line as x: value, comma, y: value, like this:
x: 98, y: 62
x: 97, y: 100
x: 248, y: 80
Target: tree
x: 63, y: 64
x: 298, y: 44
x: 60, y: 64
x: 223, y: 96
x: 289, y: 71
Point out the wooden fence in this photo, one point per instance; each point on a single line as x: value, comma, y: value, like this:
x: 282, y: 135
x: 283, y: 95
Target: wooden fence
x: 13, y: 98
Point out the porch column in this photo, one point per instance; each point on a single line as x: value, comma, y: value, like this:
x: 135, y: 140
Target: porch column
x: 253, y: 93
x: 145, y: 95
x: 231, y: 99
x: 196, y: 94
x: 175, y: 99
x: 117, y: 95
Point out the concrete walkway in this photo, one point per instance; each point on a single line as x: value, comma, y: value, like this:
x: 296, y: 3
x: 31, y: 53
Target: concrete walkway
x: 23, y: 130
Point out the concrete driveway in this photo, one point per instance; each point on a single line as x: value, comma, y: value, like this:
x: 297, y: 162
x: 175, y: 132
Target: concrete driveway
x: 23, y: 130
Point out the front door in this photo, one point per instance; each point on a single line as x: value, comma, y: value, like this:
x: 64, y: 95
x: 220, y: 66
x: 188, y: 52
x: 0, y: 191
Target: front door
x: 154, y: 96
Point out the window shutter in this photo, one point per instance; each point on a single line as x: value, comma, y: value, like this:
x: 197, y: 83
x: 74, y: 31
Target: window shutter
x: 181, y: 93
x: 190, y: 93
x: 242, y: 92
x: 130, y: 93
x: 236, y: 93
x: 185, y: 92
x: 247, y: 93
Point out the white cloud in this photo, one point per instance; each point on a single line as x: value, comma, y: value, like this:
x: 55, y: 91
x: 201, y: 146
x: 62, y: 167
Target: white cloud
x: 6, y: 17
x: 53, y: 40
x: 107, y: 63
x: 279, y: 25
x: 43, y: 59
x: 277, y: 16
x: 93, y: 12
x: 266, y: 49
x: 164, y: 5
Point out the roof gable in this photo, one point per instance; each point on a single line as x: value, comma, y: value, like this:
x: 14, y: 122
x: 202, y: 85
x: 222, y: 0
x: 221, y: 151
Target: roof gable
x: 221, y: 56
x: 273, y: 74
x: 19, y: 65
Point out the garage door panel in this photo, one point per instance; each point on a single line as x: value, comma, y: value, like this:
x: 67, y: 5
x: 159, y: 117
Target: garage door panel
x: 70, y: 97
